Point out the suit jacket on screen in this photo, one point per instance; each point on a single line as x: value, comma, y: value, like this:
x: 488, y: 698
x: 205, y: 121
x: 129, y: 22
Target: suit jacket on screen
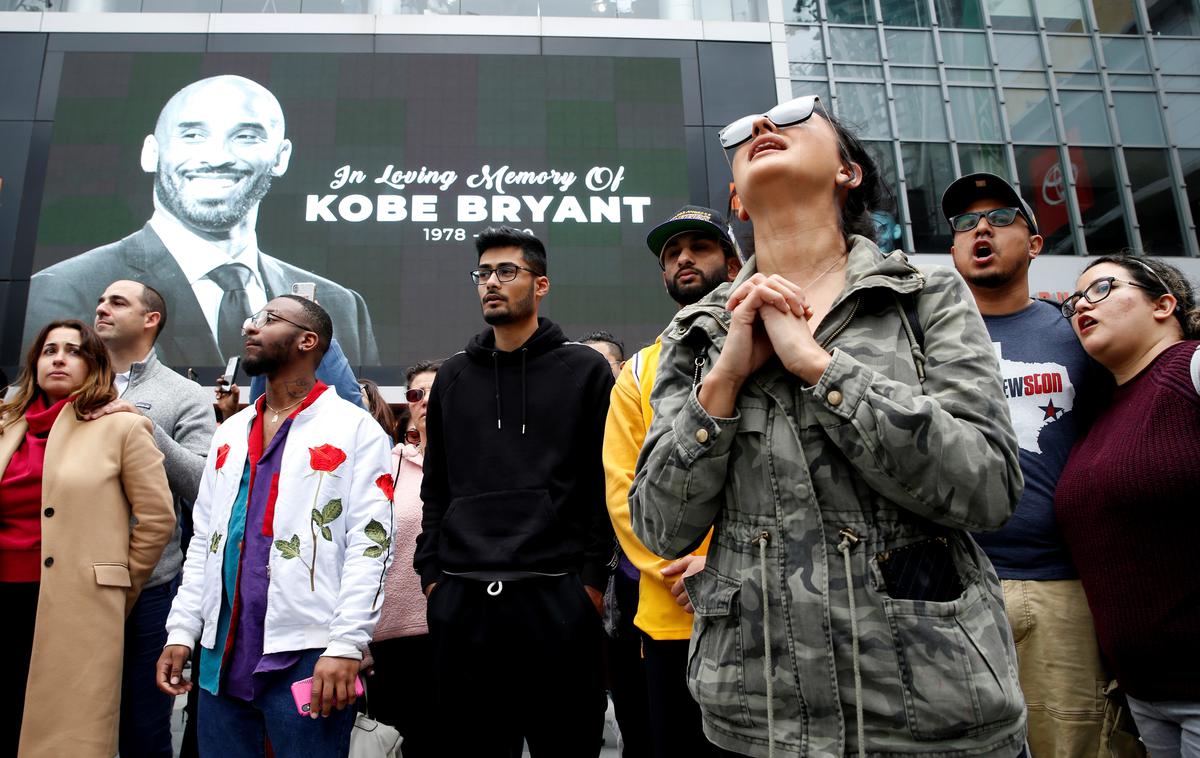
x: 71, y: 288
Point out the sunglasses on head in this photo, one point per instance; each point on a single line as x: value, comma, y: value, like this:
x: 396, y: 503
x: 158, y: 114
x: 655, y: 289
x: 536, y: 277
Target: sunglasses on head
x: 783, y: 115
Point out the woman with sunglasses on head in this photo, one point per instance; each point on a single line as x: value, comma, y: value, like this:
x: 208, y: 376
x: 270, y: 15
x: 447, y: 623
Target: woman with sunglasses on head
x: 836, y: 416
x: 1126, y: 501
x: 71, y: 566
x: 401, y: 687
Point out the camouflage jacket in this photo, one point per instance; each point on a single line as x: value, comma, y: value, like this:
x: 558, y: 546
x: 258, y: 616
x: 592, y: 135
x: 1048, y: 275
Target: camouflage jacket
x: 869, y: 452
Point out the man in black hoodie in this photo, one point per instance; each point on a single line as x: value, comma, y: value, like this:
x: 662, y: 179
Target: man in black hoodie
x: 516, y: 543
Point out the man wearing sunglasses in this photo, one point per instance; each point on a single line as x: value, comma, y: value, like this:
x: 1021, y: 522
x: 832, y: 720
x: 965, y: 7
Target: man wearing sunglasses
x: 283, y: 576
x: 1046, y: 377
x: 515, y: 546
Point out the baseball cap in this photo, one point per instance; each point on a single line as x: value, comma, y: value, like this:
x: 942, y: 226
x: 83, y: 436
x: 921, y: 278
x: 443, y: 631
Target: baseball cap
x: 967, y: 189
x: 689, y: 218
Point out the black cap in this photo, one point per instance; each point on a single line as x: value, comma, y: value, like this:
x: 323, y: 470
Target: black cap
x: 689, y: 218
x: 967, y: 189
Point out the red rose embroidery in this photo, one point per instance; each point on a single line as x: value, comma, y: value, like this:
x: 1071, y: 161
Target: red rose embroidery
x: 325, y: 458
x: 222, y: 454
x: 388, y: 486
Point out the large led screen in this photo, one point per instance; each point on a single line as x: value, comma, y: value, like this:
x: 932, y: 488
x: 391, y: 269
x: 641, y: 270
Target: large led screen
x: 223, y: 179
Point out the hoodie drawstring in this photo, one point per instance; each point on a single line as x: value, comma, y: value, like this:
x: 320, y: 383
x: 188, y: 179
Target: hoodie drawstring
x: 769, y: 666
x: 496, y: 380
x: 524, y: 351
x: 849, y: 540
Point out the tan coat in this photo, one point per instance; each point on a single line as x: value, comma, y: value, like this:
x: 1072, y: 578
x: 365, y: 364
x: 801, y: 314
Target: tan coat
x: 96, y: 475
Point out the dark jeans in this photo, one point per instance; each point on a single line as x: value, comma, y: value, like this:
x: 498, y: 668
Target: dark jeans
x: 400, y: 693
x: 522, y: 661
x: 232, y: 728
x: 674, y: 716
x: 19, y: 601
x: 627, y: 673
x: 145, y: 709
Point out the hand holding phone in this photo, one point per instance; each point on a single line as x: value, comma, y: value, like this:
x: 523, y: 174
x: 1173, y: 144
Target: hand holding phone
x: 229, y: 378
x: 329, y: 687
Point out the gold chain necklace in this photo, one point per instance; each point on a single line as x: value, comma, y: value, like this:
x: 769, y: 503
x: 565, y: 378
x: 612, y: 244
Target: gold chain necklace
x: 281, y: 410
x: 821, y: 276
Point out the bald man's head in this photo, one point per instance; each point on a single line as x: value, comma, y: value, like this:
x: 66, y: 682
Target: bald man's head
x: 216, y: 147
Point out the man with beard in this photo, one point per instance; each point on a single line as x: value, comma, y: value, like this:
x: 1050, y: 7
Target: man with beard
x: 215, y: 150
x: 284, y: 574
x: 515, y: 546
x: 1047, y: 380
x: 696, y: 253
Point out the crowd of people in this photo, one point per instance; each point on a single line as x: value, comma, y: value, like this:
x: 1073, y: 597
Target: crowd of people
x: 842, y: 506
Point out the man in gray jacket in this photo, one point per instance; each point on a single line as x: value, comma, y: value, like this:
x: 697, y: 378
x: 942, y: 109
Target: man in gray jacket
x: 129, y: 318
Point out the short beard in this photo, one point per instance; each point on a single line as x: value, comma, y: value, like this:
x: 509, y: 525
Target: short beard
x: 516, y: 311
x: 269, y: 360
x: 694, y: 293
x: 209, y: 215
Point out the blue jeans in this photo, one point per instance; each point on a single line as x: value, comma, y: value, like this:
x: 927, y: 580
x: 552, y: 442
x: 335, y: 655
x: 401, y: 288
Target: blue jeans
x: 145, y: 730
x: 1170, y: 729
x: 233, y: 728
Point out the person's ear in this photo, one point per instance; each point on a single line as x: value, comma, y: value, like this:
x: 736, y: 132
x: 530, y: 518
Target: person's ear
x: 151, y: 319
x: 282, y: 158
x: 849, y: 175
x: 1036, y: 243
x: 308, y: 341
x: 541, y: 285
x: 150, y: 154
x: 733, y: 265
x: 1165, y: 306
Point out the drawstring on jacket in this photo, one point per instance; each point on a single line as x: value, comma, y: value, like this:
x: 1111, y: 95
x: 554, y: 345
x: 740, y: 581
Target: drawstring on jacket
x: 496, y: 381
x: 849, y: 540
x: 768, y: 663
x: 524, y: 351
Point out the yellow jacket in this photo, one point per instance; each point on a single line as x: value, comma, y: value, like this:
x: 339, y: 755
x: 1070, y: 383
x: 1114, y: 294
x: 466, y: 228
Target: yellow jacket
x: 629, y: 415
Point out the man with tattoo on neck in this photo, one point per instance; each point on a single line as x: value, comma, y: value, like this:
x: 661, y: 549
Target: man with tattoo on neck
x: 284, y: 577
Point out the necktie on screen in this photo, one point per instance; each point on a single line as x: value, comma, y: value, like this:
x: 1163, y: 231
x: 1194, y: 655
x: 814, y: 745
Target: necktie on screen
x: 235, y: 306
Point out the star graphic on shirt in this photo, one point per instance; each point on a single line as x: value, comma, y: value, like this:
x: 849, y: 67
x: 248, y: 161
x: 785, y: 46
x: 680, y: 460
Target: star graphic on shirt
x: 1050, y: 410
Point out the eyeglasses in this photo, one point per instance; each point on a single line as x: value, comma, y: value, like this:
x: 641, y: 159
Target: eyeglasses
x: 264, y: 317
x: 414, y: 395
x: 505, y: 272
x: 1093, y: 293
x: 412, y: 436
x: 965, y: 222
x: 783, y: 115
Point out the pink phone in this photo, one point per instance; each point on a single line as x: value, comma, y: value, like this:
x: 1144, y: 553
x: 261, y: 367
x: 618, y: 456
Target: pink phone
x: 302, y: 694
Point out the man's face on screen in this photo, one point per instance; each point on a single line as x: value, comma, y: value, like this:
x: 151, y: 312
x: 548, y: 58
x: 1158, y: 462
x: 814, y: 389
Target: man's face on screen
x: 220, y: 143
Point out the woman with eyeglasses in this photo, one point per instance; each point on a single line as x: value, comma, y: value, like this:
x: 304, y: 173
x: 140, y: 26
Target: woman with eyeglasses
x: 836, y: 416
x: 401, y: 688
x: 71, y: 564
x: 1126, y: 501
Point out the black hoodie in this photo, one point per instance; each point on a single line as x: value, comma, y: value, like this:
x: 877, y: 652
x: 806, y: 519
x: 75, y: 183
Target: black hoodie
x: 514, y: 482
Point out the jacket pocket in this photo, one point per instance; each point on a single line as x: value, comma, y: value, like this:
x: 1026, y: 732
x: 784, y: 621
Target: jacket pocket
x: 955, y: 674
x: 715, y: 659
x: 511, y: 529
x: 112, y: 574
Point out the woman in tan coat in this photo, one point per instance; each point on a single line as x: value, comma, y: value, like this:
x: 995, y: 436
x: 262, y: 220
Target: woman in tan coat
x: 71, y: 566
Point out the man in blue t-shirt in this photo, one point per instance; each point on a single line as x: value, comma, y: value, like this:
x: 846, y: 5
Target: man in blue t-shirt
x: 1047, y: 379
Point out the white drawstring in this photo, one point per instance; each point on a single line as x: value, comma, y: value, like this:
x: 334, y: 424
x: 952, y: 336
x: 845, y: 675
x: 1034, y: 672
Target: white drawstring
x: 849, y: 540
x: 768, y: 663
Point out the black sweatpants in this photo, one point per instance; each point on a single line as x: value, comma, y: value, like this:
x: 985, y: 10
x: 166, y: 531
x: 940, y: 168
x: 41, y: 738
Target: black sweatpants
x: 675, y: 724
x: 517, y: 659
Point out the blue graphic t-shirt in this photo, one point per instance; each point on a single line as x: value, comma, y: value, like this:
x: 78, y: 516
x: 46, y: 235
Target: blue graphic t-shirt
x: 1044, y: 373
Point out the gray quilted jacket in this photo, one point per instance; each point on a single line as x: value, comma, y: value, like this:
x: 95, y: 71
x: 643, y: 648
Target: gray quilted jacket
x: 809, y: 490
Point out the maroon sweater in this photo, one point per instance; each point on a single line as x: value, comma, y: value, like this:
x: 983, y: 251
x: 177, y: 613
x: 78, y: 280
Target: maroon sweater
x: 1127, y: 506
x: 21, y: 498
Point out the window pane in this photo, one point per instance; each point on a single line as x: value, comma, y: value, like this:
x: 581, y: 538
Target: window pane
x: 864, y: 106
x: 1079, y: 81
x: 919, y: 112
x: 1042, y: 186
x: 1099, y: 200
x: 1185, y: 83
x: 800, y: 11
x: 1132, y: 81
x: 851, y: 12
x: 905, y: 12
x: 804, y: 44
x: 1123, y: 54
x: 965, y: 49
x: 1154, y: 202
x: 928, y: 170
x: 1023, y: 78
x: 845, y: 71
x: 904, y: 46
x: 1177, y: 56
x: 854, y: 45
x: 914, y: 74
x: 1084, y: 117
x: 968, y: 75
x: 820, y: 89
x: 1191, y: 177
x: 1072, y: 53
x: 1173, y: 16
x: 1115, y: 16
x: 1062, y: 15
x: 1029, y: 115
x: 1018, y: 51
x: 976, y: 117
x: 890, y: 234
x: 959, y: 14
x: 1011, y: 14
x: 1183, y: 112
x: 802, y: 70
x: 1138, y: 118
x: 975, y: 158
